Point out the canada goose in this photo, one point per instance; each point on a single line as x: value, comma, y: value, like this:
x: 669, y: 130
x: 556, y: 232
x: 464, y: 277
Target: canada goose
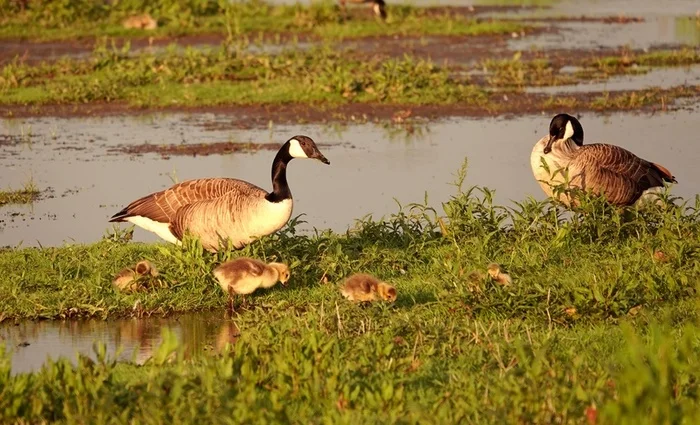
x: 363, y: 287
x: 216, y: 209
x: 243, y: 276
x: 127, y: 280
x: 618, y: 174
x: 496, y: 273
x: 144, y: 21
x: 378, y: 6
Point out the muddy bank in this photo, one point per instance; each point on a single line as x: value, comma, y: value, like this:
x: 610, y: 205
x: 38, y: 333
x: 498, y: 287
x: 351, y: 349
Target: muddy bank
x: 198, y: 149
x: 259, y: 116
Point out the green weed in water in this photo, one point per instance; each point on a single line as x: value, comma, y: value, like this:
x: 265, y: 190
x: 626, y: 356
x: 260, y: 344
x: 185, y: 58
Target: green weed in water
x: 26, y: 195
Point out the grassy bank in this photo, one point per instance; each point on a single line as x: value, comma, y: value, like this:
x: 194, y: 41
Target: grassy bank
x: 47, y: 20
x: 387, y: 366
x: 600, y: 324
x: 228, y: 75
x: 231, y: 75
x: 601, y: 263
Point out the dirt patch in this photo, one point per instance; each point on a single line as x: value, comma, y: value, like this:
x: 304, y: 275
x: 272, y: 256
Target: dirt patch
x: 259, y: 116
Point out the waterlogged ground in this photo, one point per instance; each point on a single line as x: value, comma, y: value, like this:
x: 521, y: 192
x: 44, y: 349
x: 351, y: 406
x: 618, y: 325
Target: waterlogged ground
x: 86, y: 176
x: 600, y: 324
x: 31, y: 344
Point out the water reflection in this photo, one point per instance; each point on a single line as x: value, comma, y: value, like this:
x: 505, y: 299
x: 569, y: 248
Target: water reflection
x: 32, y: 343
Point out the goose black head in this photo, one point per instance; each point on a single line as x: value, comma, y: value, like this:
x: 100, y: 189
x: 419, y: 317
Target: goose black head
x: 562, y: 127
x: 379, y: 8
x: 305, y: 147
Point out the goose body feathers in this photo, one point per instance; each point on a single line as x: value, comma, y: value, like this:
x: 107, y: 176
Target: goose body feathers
x: 220, y: 209
x: 608, y: 170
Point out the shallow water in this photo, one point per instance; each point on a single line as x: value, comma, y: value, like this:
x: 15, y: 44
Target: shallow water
x: 89, y: 184
x: 32, y: 343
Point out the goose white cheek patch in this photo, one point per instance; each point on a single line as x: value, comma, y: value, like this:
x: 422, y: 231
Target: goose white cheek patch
x: 569, y: 130
x: 295, y: 149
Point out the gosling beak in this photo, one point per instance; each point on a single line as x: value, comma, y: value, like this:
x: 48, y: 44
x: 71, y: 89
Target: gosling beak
x: 548, y: 146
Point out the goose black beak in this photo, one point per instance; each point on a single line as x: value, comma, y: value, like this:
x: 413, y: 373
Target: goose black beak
x: 318, y: 155
x: 548, y: 147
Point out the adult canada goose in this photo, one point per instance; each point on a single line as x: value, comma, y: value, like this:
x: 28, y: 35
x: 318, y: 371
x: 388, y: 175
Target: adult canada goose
x: 243, y: 276
x: 363, y: 287
x: 216, y: 209
x: 616, y: 173
x: 378, y: 6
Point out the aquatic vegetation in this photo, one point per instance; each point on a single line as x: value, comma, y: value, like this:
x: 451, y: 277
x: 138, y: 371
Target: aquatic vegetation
x: 26, y: 195
x: 517, y: 73
x: 229, y: 76
x: 627, y: 61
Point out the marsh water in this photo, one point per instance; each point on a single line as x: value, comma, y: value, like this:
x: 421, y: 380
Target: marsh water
x: 372, y: 166
x: 85, y: 177
x: 32, y: 343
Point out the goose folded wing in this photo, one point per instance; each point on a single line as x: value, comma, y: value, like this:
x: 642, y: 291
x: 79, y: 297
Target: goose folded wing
x: 621, y: 166
x: 162, y: 206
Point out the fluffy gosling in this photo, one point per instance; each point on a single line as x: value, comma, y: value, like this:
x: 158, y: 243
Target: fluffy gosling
x: 144, y: 21
x: 496, y: 273
x: 127, y: 280
x: 243, y: 276
x: 362, y: 287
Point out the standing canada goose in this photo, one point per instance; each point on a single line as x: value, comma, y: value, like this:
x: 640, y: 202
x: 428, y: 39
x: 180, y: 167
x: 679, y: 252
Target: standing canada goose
x: 496, y: 273
x: 216, y: 209
x: 363, y: 287
x: 378, y: 7
x: 243, y: 276
x: 616, y: 173
x: 127, y: 279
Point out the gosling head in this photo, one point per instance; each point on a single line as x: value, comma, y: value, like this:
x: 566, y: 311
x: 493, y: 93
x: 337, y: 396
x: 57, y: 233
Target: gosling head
x: 304, y: 147
x: 386, y: 292
x: 282, y: 271
x: 493, y: 270
x: 145, y: 267
x: 563, y: 127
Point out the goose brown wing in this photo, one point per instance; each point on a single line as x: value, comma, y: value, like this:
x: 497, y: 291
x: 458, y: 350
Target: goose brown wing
x: 162, y: 206
x: 620, y: 174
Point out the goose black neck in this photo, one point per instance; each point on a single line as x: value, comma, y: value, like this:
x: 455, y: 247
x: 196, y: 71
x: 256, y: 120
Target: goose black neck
x: 280, y: 188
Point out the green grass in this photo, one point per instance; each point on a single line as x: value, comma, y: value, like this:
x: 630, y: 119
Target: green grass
x: 517, y: 74
x: 45, y: 20
x: 623, y: 63
x: 451, y: 349
x: 26, y: 195
x: 229, y: 76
